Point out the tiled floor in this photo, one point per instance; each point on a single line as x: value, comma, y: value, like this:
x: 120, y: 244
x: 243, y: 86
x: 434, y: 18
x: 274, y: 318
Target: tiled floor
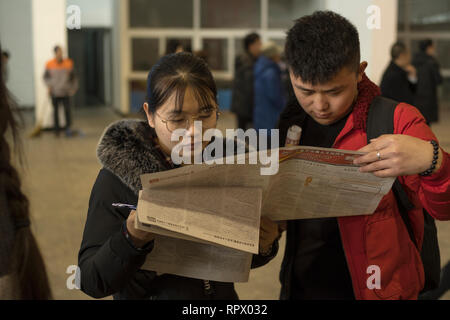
x: 58, y: 179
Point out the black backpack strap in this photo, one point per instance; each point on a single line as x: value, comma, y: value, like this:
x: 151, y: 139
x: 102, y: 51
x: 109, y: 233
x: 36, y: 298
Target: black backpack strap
x: 381, y: 121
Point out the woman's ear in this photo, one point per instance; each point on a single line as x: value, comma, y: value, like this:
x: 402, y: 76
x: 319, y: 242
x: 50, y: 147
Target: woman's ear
x: 361, y: 70
x: 150, y: 119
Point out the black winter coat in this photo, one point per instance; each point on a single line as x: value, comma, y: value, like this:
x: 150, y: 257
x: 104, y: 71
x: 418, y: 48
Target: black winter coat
x: 109, y: 264
x: 242, y: 100
x: 396, y: 86
x: 429, y: 77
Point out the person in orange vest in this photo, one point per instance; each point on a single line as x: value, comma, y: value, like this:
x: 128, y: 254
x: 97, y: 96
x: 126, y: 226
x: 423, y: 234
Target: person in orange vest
x: 62, y: 83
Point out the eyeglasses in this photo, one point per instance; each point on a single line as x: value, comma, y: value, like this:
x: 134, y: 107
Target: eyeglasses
x: 208, y: 118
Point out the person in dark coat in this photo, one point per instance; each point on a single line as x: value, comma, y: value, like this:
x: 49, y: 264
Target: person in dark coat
x: 23, y: 274
x: 429, y: 78
x: 268, y: 88
x: 242, y: 96
x: 399, y: 79
x: 112, y: 250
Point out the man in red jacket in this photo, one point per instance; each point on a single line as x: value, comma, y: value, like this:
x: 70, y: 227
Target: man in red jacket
x: 334, y: 258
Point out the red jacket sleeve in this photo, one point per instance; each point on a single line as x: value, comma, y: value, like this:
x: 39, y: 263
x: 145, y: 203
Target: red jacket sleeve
x: 433, y: 191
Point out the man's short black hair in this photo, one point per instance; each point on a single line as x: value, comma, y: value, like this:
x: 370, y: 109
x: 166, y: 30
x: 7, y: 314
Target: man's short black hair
x: 318, y: 46
x: 5, y: 54
x: 56, y: 48
x: 425, y: 44
x: 397, y: 49
x: 250, y: 39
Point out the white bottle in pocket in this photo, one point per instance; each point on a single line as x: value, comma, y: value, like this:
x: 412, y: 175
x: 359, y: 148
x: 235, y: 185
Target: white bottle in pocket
x: 293, y: 136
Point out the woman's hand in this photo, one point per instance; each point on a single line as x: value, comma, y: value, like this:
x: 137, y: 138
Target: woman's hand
x: 268, y: 233
x: 140, y: 238
x: 394, y: 155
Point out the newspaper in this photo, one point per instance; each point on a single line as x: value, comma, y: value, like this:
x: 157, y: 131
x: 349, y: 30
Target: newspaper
x: 311, y: 183
x: 198, y: 260
x: 206, y: 217
x: 320, y: 183
x: 228, y: 216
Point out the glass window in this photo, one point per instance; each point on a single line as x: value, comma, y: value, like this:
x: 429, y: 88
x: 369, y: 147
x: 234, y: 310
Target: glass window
x: 401, y: 15
x: 442, y: 53
x: 282, y: 13
x: 429, y: 16
x: 230, y: 14
x: 145, y: 53
x: 216, y: 51
x: 161, y: 14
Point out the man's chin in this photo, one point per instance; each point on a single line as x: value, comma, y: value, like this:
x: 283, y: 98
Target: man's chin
x: 324, y: 121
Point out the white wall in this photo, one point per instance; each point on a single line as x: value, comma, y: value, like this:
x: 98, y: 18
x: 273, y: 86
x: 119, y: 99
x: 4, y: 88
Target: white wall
x: 49, y: 29
x: 15, y: 36
x: 119, y: 44
x: 94, y: 13
x: 375, y: 43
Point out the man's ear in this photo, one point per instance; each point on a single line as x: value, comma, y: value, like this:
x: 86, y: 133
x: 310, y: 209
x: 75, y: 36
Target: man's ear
x: 150, y: 119
x: 361, y: 70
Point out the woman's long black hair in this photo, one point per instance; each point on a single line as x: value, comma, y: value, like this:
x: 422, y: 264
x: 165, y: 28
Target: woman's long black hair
x: 26, y: 265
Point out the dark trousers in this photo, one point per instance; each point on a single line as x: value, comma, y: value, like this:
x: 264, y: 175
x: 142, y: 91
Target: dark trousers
x: 444, y: 285
x: 56, y: 101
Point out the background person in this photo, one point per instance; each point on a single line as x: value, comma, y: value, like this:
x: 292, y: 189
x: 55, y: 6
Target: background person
x: 399, y: 79
x: 429, y: 78
x: 269, y: 94
x: 62, y: 84
x: 22, y: 270
x: 242, y: 100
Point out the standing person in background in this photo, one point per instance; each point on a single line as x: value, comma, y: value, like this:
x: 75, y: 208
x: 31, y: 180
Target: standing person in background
x: 399, y: 79
x: 22, y: 270
x: 62, y: 83
x: 269, y: 95
x: 428, y: 79
x: 242, y: 99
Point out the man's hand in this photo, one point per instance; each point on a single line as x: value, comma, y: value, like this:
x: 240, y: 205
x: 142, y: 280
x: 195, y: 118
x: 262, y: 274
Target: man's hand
x: 268, y: 233
x: 140, y: 238
x: 394, y: 155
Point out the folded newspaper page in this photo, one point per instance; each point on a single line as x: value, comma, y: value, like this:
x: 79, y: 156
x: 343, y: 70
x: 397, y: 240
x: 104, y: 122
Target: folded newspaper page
x: 311, y: 183
x: 318, y: 183
x: 228, y: 216
x: 198, y: 260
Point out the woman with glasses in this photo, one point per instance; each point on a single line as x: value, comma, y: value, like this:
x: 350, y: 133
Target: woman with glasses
x: 180, y: 90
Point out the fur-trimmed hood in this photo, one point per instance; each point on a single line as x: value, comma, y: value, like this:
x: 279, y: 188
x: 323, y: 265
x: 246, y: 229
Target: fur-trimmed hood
x: 126, y: 148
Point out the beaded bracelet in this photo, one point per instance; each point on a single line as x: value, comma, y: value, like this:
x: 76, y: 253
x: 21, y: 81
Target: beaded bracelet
x: 435, y: 159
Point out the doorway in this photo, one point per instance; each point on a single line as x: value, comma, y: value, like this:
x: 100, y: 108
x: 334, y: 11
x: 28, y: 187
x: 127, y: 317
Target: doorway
x: 91, y: 51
